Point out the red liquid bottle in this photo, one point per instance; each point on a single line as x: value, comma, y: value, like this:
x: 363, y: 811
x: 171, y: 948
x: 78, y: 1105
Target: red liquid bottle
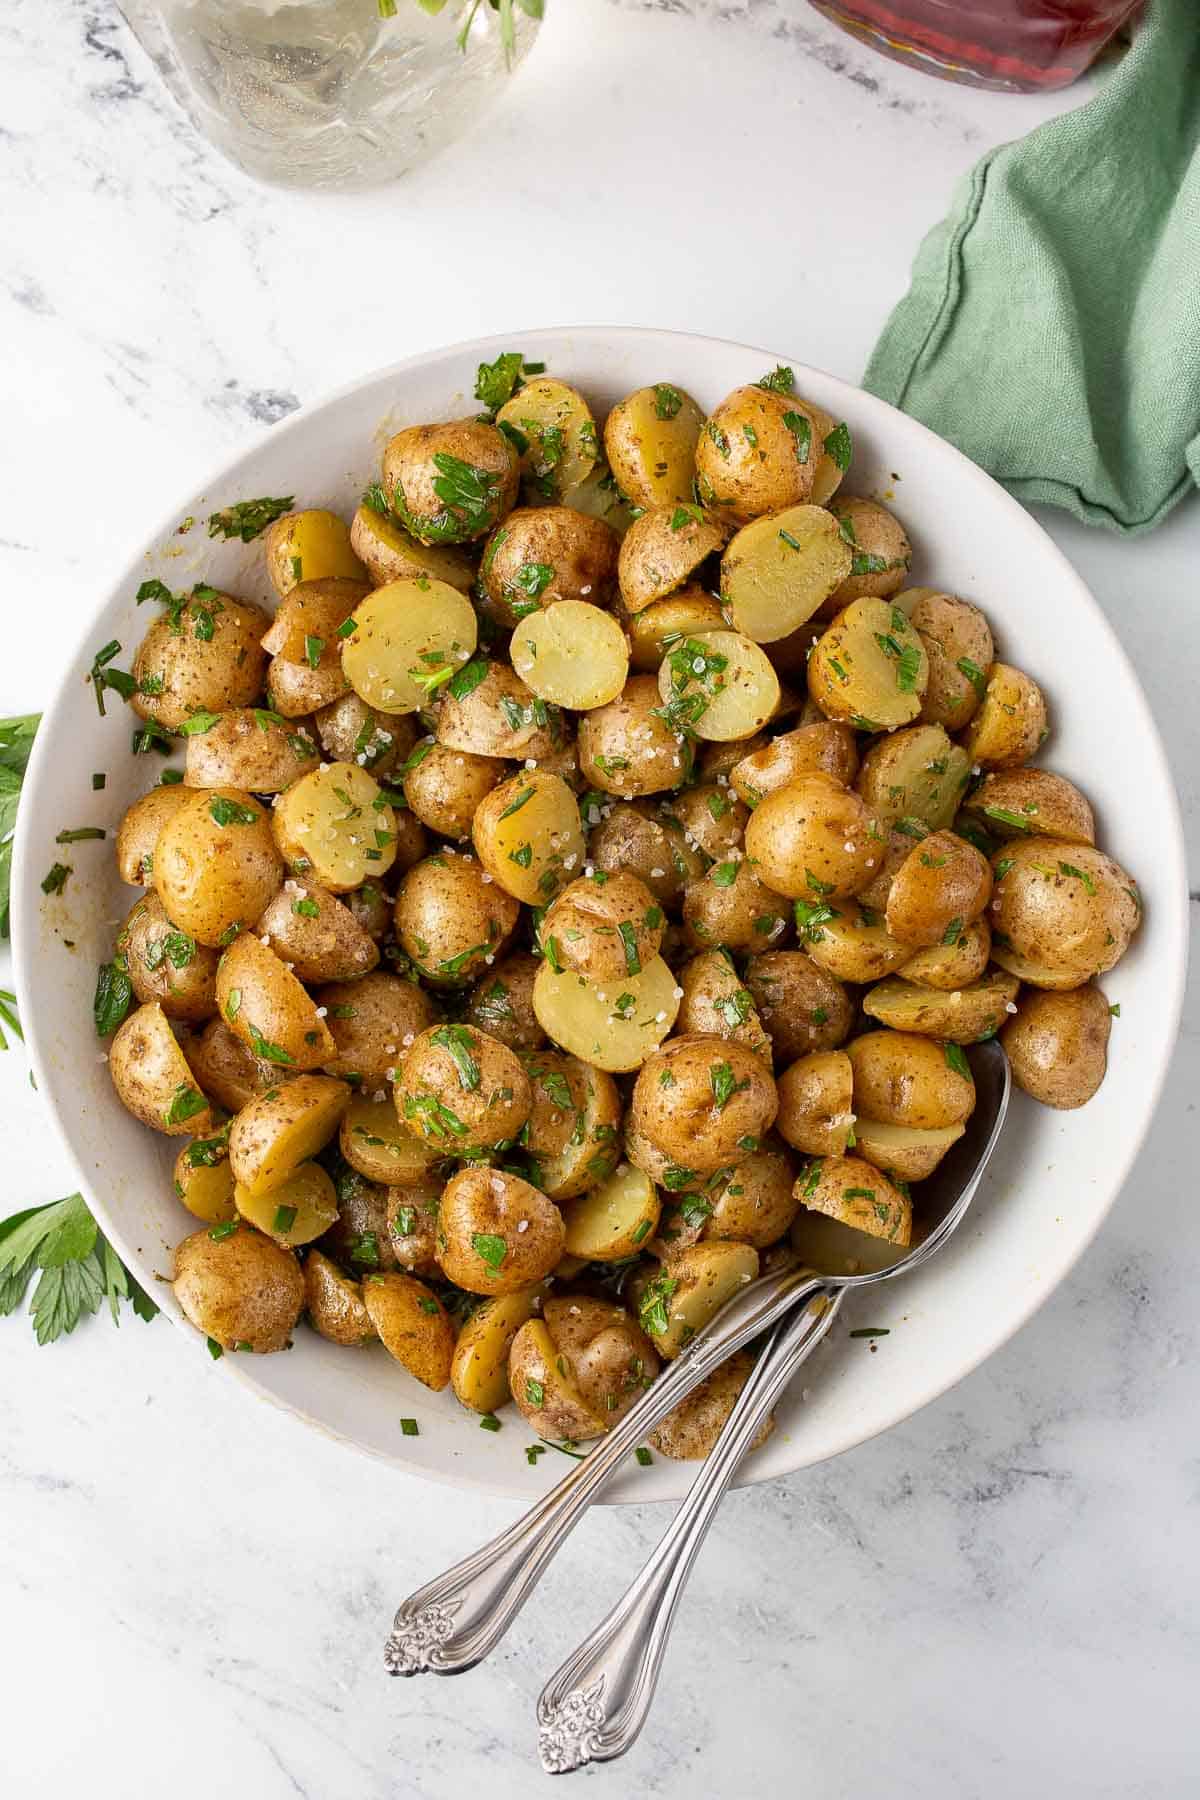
x: 1022, y: 46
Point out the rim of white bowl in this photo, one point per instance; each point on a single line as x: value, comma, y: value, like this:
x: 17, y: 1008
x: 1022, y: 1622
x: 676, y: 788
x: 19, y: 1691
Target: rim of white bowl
x: 1170, y: 926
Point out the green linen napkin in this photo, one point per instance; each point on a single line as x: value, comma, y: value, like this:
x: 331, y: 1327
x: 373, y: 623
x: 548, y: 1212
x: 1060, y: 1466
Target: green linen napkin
x: 1052, y: 330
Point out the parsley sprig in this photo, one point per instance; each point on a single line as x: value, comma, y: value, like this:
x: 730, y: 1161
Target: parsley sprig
x: 77, y: 1269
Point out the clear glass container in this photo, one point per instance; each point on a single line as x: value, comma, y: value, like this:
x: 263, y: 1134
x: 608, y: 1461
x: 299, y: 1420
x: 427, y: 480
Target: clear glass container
x: 1022, y: 46
x: 329, y: 93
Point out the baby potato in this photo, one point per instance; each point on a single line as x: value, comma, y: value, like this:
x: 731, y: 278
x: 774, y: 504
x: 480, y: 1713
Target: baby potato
x: 139, y: 830
x: 546, y: 1394
x: 451, y: 919
x: 916, y: 774
x: 152, y: 1078
x: 905, y: 1152
x: 313, y: 932
x: 496, y: 1232
x: 690, y: 1430
x: 716, y: 1003
x: 850, y: 942
x: 650, y: 441
x: 813, y: 838
x: 239, y: 1288
x: 650, y: 845
x: 250, y: 749
x: 757, y: 454
x: 962, y: 1016
x: 859, y: 1195
x: 311, y: 545
x: 604, y: 927
x: 296, y: 689
x: 802, y: 1007
x: 1056, y: 921
x: 573, y: 655
x: 450, y: 483
x: 870, y: 668
x: 445, y: 788
x: 752, y: 1203
x: 225, y: 1069
x: 881, y: 554
x: 612, y: 1025
x: 497, y: 715
x: 956, y: 965
x: 1057, y: 1045
x: 528, y: 836
x: 719, y: 686
x: 409, y: 639
x: 903, y: 1079
x: 818, y: 749
x: 658, y: 627
x: 167, y: 965
x: 215, y: 863
x: 334, y: 1303
x: 940, y: 887
x: 336, y: 826
x: 691, y: 1290
x: 203, y: 1179
x: 461, y: 1090
x: 958, y: 643
x: 663, y: 549
x: 391, y: 554
x: 308, y: 620
x: 543, y: 555
x: 362, y: 1238
x: 272, y: 1012
x: 613, y: 1220
x: 378, y: 1147
x: 609, y: 1358
x: 352, y: 731
x: 277, y: 1131
x: 597, y: 496
x: 571, y: 1135
x: 553, y: 428
x: 816, y: 1103
x: 700, y: 1100
x: 713, y: 819
x: 207, y: 659
x: 779, y: 570
x: 297, y: 1211
x: 1020, y: 802
x: 628, y: 747
x: 413, y: 1325
x: 501, y: 1002
x: 370, y: 905
x: 731, y: 907
x: 1010, y: 724
x: 479, y: 1368
x: 373, y: 1021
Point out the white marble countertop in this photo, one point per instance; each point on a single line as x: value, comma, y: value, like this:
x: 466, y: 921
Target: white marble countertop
x: 998, y: 1598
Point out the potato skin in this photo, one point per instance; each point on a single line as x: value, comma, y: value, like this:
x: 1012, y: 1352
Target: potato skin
x: 479, y: 1370
x: 852, y: 676
x: 942, y: 885
x: 412, y: 1324
x: 1012, y: 803
x: 152, y: 1077
x: 1057, y: 1045
x: 802, y: 1006
x: 754, y: 1203
x: 450, y: 920
x: 491, y: 1204
x: 277, y: 1131
x: 853, y: 1191
x: 813, y: 839
x: 876, y: 536
x: 446, y: 788
x: 627, y: 748
x: 823, y: 748
x: 317, y: 933
x: 391, y: 554
x: 950, y: 966
x: 1010, y: 724
x: 687, y: 1117
x: 732, y: 907
x: 608, y: 1356
x: 370, y: 1020
x: 605, y: 926
x: 649, y: 845
x: 226, y: 1070
x: 650, y: 441
x: 716, y: 1003
x: 180, y: 672
x: 334, y: 1303
x: 690, y: 1430
x: 462, y: 1090
x: 167, y: 965
x: 239, y: 1289
x: 904, y: 1079
x: 543, y: 554
x: 213, y: 876
x: 352, y: 731
x: 961, y: 1016
x: 954, y: 633
x: 816, y: 1103
x: 1056, y: 921
x: 656, y: 627
x: 712, y: 817
x: 744, y: 473
x: 540, y: 1382
x: 251, y: 750
x: 272, y: 1012
x: 140, y: 829
x: 501, y: 1002
x: 662, y: 550
x: 412, y: 477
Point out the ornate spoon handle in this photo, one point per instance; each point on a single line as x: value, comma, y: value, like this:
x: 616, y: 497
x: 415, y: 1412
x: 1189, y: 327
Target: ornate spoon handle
x: 594, y: 1707
x: 452, y: 1622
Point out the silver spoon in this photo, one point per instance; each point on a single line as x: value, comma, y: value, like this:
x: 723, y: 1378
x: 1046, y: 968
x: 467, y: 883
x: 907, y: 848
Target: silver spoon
x: 594, y: 1707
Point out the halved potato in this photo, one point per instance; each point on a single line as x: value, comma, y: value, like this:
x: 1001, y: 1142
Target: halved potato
x: 816, y: 1103
x: 528, y: 835
x: 152, y: 1077
x: 312, y: 930
x: 408, y: 640
x: 870, y: 668
x: 916, y: 774
x: 334, y: 1303
x: 299, y: 1210
x: 662, y: 625
x: 650, y: 440
x: 204, y: 1180
x: 311, y: 545
x: 546, y: 1394
x: 572, y: 654
x: 821, y: 748
x: 906, y: 1152
x: 336, y: 825
x: 239, y: 1288
x: 663, y: 549
x: 413, y: 1324
x: 139, y: 831
x: 858, y: 1194
x: 377, y: 1145
x: 1020, y: 802
x: 479, y: 1369
x: 849, y: 941
x: 1010, y: 724
x: 956, y: 965
x: 390, y: 554
x: 691, y: 1289
x: 282, y: 1128
x: 719, y: 685
x: 615, y: 1219
x: 717, y: 1003
x: 690, y: 1430
x: 777, y: 571
x: 551, y: 427
x: 880, y: 550
x: 904, y: 1079
x: 251, y: 749
x: 272, y: 1012
x: 588, y: 1154
x: 614, y: 1025
x: 960, y: 1016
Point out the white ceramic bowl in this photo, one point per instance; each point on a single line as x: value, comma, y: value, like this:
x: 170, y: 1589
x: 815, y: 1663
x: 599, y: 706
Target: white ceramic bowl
x: 1055, y: 1175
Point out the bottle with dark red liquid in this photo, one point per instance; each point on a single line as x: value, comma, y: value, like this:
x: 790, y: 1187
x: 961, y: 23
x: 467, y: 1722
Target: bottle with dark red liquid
x: 1023, y: 46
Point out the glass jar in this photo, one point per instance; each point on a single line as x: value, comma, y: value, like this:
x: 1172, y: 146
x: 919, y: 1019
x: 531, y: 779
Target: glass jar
x: 329, y: 93
x: 1022, y: 46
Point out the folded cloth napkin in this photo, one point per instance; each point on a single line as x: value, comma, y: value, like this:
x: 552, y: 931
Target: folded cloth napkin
x: 1052, y: 330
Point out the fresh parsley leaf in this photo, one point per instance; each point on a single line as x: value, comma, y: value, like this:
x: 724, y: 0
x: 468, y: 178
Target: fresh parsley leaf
x: 79, y: 1268
x: 497, y: 382
x: 245, y: 519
